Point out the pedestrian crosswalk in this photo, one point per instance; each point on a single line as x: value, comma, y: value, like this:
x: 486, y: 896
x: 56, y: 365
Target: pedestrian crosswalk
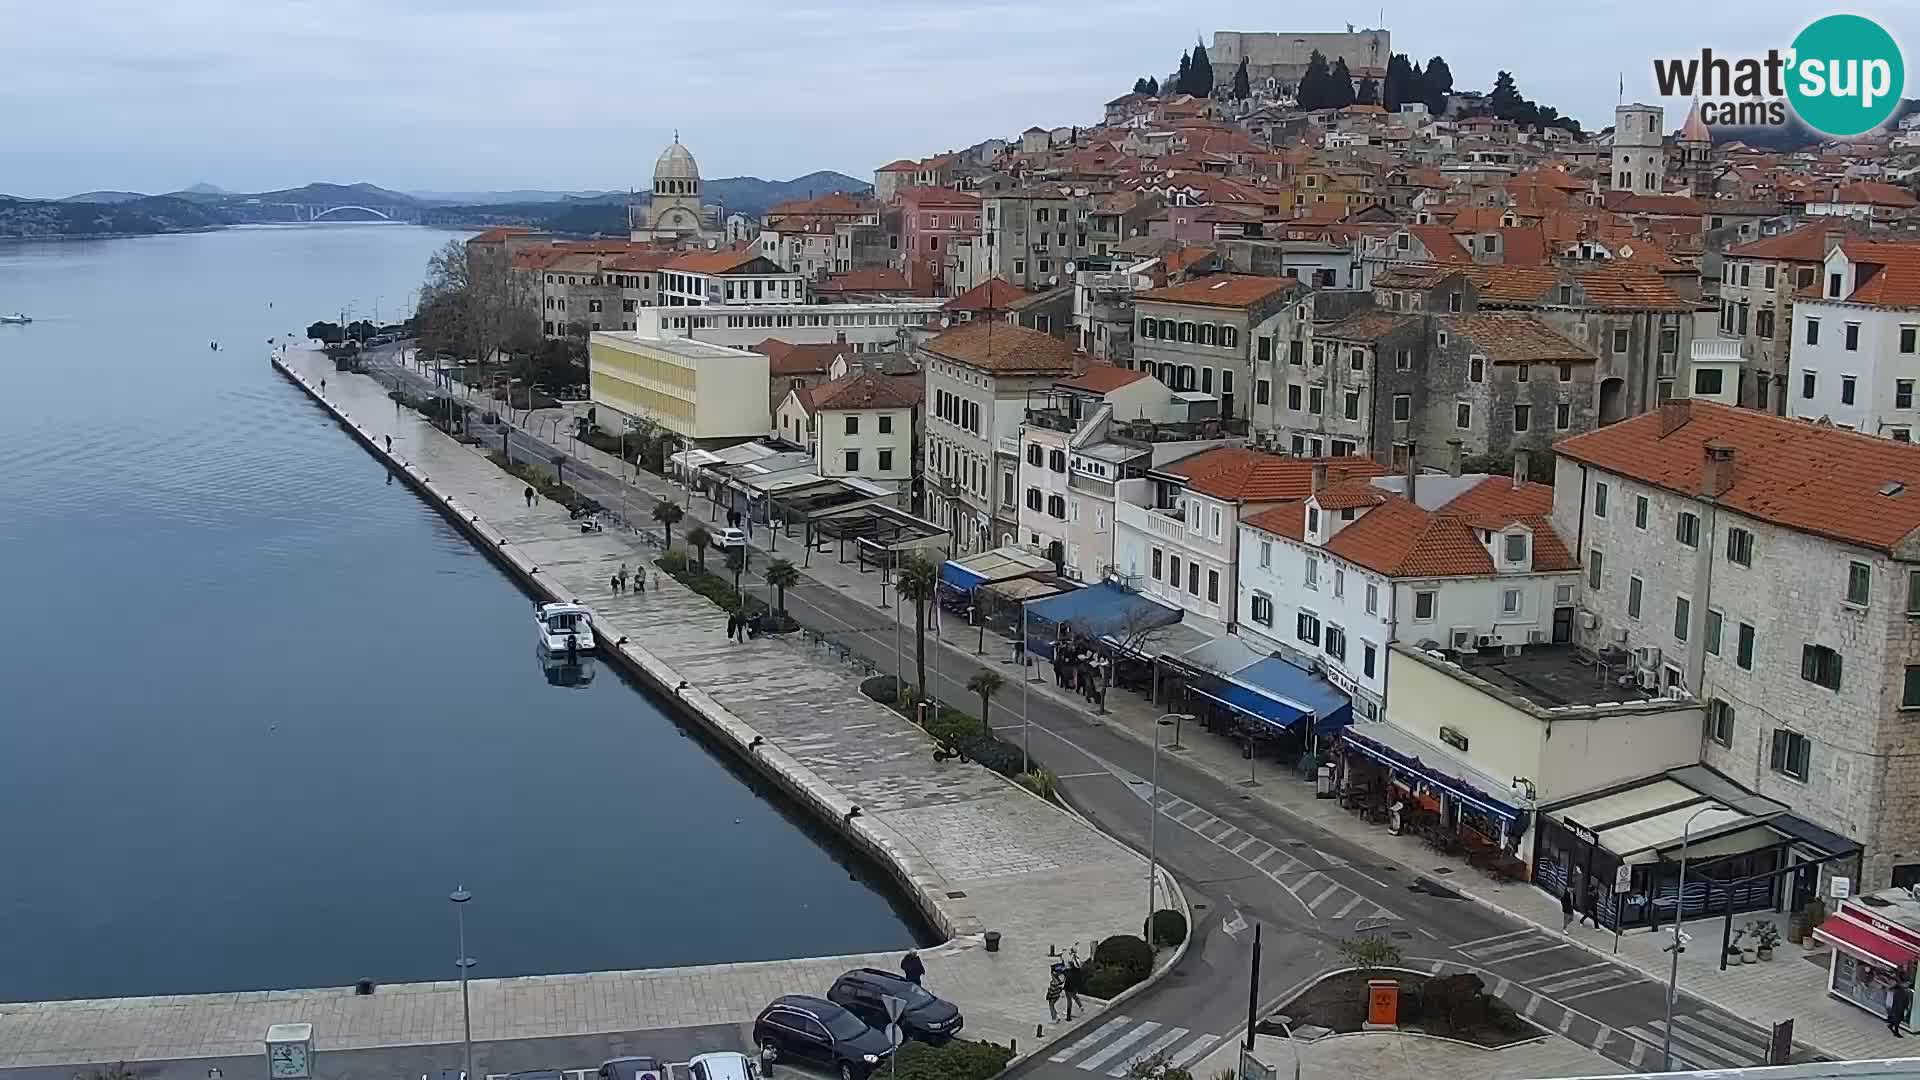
x: 1706, y: 1041
x: 1585, y: 980
x: 1114, y: 1046
x: 1516, y: 945
x: 1300, y: 870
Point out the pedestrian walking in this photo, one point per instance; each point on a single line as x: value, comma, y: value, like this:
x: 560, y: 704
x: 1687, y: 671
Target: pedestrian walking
x: 528, y: 494
x: 640, y: 580
x: 390, y: 442
x: 733, y: 623
x: 323, y: 386
x: 1590, y: 911
x: 614, y: 584
x: 912, y: 967
x: 1898, y: 1004
x: 1070, y: 980
x: 1056, y: 986
x: 623, y: 575
x: 656, y: 579
x: 1566, y: 909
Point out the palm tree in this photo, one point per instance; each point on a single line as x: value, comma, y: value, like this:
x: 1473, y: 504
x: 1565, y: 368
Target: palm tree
x: 986, y: 684
x: 699, y: 539
x: 915, y: 580
x: 736, y: 562
x: 782, y: 576
x: 667, y: 514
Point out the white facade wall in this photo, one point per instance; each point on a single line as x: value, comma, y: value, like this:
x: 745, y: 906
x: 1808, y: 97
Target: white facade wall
x: 1205, y: 545
x: 1275, y: 567
x: 1045, y: 525
x: 1090, y: 520
x: 792, y: 421
x: 1863, y: 766
x: 862, y: 327
x: 867, y: 442
x: 1876, y: 366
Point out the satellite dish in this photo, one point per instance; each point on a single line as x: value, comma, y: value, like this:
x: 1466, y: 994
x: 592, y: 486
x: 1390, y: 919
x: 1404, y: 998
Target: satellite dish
x: 1068, y: 267
x: 1053, y: 279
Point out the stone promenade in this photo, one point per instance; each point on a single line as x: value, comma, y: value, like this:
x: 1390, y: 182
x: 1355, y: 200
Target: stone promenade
x: 976, y: 852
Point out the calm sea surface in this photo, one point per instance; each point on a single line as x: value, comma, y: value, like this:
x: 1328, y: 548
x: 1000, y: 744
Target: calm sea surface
x: 260, y: 711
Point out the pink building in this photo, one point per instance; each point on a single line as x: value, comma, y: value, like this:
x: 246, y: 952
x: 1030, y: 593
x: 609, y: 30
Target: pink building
x: 931, y: 218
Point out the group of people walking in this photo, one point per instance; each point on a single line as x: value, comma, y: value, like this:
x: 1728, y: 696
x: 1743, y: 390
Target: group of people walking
x: 1077, y: 665
x: 620, y: 580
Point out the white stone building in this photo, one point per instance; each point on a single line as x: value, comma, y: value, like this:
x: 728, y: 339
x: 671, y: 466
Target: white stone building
x: 862, y: 328
x: 1856, y: 346
x: 733, y: 277
x: 1467, y: 563
x: 1639, y: 149
x: 863, y: 425
x: 1771, y: 569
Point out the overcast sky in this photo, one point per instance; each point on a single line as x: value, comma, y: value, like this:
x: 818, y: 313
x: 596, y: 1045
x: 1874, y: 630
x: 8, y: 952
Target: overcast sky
x: 492, y: 94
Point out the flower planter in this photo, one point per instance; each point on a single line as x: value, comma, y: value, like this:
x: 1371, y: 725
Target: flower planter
x: 1765, y: 954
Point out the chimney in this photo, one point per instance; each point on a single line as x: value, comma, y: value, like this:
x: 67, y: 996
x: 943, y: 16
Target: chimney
x: 1521, y: 460
x: 1716, y: 472
x: 1413, y: 472
x: 1456, y: 456
x: 1319, y: 476
x: 1674, y: 414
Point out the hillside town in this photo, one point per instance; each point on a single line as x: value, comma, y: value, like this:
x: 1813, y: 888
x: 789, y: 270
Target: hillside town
x: 1577, y: 466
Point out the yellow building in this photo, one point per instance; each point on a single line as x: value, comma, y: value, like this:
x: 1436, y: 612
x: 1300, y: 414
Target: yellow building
x: 702, y: 392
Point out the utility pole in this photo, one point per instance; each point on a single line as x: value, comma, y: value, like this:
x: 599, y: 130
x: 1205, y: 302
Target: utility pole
x: 460, y: 896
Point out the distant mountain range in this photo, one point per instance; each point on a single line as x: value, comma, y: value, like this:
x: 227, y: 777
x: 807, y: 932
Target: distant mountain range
x: 202, y: 206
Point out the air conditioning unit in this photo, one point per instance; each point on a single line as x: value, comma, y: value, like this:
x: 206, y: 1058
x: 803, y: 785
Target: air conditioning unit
x: 1487, y: 641
x: 1589, y: 621
x: 1536, y: 637
x: 1461, y: 638
x: 1647, y: 656
x: 1513, y: 650
x: 1676, y: 692
x: 1649, y: 679
x: 1620, y: 635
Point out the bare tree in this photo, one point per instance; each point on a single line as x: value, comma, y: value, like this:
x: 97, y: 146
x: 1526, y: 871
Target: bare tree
x: 1138, y: 634
x: 477, y: 307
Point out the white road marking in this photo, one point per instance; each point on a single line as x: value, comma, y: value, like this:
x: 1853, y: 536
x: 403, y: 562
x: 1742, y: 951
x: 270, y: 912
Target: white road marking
x: 1710, y: 1035
x: 1166, y: 1039
x: 1465, y: 945
x: 1193, y: 1050
x: 1348, y: 906
x: 1118, y: 1046
x: 1524, y: 955
x: 1085, y: 1042
x: 1533, y: 1006
x: 1601, y: 990
x: 1566, y: 1020
x: 1322, y: 898
x: 1244, y: 845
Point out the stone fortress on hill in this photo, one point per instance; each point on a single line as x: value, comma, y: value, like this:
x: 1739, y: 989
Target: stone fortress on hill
x: 1282, y: 57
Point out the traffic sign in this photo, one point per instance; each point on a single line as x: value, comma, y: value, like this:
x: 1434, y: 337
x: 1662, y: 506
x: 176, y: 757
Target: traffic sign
x: 895, y: 1035
x: 895, y: 1006
x: 1841, y: 887
x: 1623, y: 879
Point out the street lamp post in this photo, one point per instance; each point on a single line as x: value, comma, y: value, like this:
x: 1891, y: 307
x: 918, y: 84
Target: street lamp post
x: 1153, y: 821
x: 460, y: 896
x: 1679, y: 911
x: 1026, y: 695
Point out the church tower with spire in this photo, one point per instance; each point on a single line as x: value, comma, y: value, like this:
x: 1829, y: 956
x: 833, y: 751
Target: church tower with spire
x: 1693, y: 155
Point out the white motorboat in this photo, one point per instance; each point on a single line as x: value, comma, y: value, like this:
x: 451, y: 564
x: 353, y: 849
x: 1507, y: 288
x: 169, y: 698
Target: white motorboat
x: 16, y: 319
x: 564, y: 627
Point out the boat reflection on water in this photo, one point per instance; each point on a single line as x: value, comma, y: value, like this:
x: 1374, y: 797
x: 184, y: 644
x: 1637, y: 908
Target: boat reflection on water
x: 563, y: 669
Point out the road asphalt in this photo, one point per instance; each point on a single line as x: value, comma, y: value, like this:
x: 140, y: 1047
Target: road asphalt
x: 1243, y: 863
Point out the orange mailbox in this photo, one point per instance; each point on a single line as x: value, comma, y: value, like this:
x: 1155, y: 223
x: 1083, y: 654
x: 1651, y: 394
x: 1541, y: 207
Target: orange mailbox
x: 1383, y: 1003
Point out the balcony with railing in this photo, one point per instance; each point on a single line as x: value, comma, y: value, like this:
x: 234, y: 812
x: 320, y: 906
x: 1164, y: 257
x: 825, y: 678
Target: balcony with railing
x: 1148, y: 432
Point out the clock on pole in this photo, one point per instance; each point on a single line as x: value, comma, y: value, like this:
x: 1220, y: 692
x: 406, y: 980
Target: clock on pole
x: 290, y: 1052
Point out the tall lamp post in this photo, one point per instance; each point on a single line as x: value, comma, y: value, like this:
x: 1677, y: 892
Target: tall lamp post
x: 460, y: 896
x: 1153, y: 821
x: 1679, y: 911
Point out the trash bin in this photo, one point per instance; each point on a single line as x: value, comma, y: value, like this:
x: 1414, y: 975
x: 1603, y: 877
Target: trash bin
x: 1323, y: 787
x: 993, y: 941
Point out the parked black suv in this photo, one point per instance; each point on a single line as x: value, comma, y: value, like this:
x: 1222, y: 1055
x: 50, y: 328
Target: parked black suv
x: 863, y: 992
x: 801, y: 1028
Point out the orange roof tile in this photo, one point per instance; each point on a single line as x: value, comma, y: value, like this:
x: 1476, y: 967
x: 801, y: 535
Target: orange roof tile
x: 1512, y: 337
x: 1003, y: 348
x: 498, y: 233
x: 713, y: 262
x: 1874, y: 193
x: 1222, y: 290
x: 1806, y: 243
x: 993, y: 294
x: 869, y: 390
x: 787, y: 359
x: 1237, y: 473
x: 1888, y: 275
x: 1104, y: 378
x: 1809, y: 477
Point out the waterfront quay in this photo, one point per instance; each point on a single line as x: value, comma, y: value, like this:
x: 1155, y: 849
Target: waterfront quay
x: 972, y: 851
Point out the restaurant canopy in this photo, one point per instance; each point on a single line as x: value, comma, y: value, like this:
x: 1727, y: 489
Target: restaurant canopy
x: 1000, y: 564
x: 1096, y: 611
x: 1435, y: 765
x: 1642, y: 821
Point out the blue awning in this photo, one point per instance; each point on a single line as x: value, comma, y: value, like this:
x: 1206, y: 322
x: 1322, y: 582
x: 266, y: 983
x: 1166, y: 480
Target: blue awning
x: 959, y: 577
x: 1252, y: 703
x: 1330, y: 707
x: 1099, y: 610
x: 1435, y: 765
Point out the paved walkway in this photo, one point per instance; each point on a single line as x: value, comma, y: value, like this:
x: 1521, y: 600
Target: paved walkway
x: 1790, y: 986
x: 1392, y: 1055
x: 983, y: 854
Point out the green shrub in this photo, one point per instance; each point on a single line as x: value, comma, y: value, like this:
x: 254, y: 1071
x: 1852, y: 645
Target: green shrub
x: 673, y: 562
x: 1157, y: 1067
x: 1126, y: 951
x: 955, y: 1059
x: 1040, y: 781
x: 1167, y: 928
x: 1108, y: 980
x: 1369, y: 954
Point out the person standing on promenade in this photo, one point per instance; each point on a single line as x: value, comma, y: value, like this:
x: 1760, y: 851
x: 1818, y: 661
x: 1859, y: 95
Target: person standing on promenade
x: 1566, y: 908
x: 528, y: 494
x: 1898, y: 1003
x: 912, y: 967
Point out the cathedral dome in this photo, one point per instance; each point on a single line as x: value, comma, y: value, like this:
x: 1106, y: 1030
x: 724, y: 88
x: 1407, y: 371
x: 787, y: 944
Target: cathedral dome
x: 676, y: 164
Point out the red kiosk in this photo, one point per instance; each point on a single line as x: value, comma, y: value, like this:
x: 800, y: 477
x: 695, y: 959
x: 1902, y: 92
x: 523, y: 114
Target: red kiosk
x: 1876, y: 942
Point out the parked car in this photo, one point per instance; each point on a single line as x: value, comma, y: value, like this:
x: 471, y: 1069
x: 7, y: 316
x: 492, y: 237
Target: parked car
x: 797, y: 1027
x: 631, y: 1068
x: 721, y: 1065
x: 863, y: 992
x: 729, y: 538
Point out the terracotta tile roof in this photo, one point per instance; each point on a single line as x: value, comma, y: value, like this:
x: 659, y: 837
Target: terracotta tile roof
x: 903, y: 165
x: 713, y: 262
x: 1237, y: 473
x: 1182, y: 258
x: 1626, y: 202
x: 785, y: 359
x: 1222, y: 290
x: 883, y: 279
x: 640, y: 260
x: 1874, y: 193
x: 926, y: 195
x: 804, y: 394
x: 993, y: 294
x: 1369, y: 325
x: 1888, y: 275
x: 1497, y: 500
x: 1399, y: 539
x: 1413, y: 276
x: 1512, y: 337
x: 1807, y: 243
x: 1288, y: 520
x: 1003, y: 348
x: 1631, y: 288
x: 1816, y: 479
x: 1440, y: 244
x: 499, y: 233
x: 1350, y: 494
x: 869, y: 390
x: 1103, y: 378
